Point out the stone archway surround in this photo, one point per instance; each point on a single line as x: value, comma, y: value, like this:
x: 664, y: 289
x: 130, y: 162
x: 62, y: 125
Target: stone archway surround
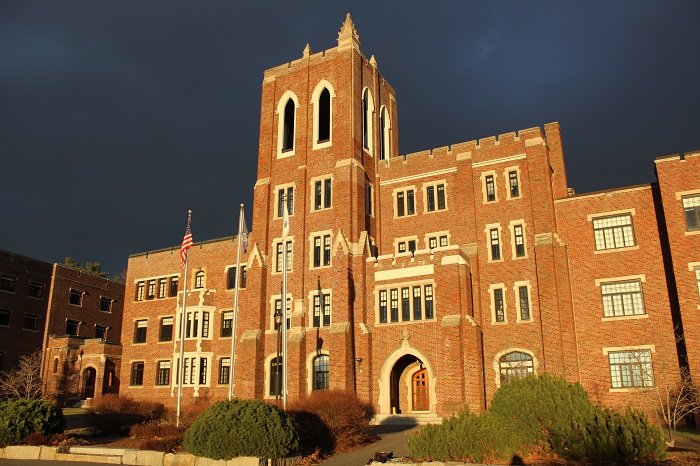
x: 384, y: 401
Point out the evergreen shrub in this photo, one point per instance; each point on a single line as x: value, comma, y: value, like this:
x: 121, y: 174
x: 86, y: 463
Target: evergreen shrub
x: 463, y: 437
x: 545, y: 414
x: 612, y: 436
x: 18, y: 418
x: 228, y: 429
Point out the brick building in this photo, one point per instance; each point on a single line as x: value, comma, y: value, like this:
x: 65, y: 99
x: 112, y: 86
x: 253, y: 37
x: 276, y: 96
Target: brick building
x: 74, y: 317
x: 420, y: 281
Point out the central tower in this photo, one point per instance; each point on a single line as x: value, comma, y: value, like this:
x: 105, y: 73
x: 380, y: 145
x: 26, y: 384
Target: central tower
x: 326, y: 121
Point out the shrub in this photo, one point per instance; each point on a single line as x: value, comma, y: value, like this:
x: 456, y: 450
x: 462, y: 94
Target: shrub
x: 166, y: 445
x: 114, y: 414
x: 611, y: 436
x: 155, y: 429
x: 228, y: 429
x: 545, y: 413
x: 333, y: 420
x: 464, y: 437
x: 19, y: 418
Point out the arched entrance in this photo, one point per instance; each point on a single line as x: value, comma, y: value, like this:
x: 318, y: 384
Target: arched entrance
x: 89, y: 377
x: 407, y: 383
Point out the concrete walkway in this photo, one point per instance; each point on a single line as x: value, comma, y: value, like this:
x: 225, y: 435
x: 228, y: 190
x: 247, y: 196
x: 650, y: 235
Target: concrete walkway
x: 392, y: 439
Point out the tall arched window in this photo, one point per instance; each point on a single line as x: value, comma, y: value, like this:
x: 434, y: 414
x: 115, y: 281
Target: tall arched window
x: 324, y: 116
x: 367, y: 110
x: 321, y: 371
x: 385, y: 124
x: 276, y: 376
x: 288, y: 128
x: 515, y: 365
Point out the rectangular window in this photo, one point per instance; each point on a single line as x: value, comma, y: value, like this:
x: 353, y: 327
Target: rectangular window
x: 490, y: 189
x: 622, y: 298
x: 405, y: 304
x: 631, y: 369
x: 173, y: 287
x: 31, y: 322
x: 524, y: 303
x: 140, y: 288
x: 429, y: 302
x: 227, y: 324
x: 495, y: 244
x: 101, y: 331
x: 519, y: 240
x: 432, y: 242
x: 697, y: 278
x: 443, y: 241
x: 163, y: 376
x: 231, y: 278
x: 278, y: 312
x: 205, y: 324
x: 405, y: 203
x: 4, y: 318
x: 382, y: 306
x: 140, y: 328
x: 137, y: 373
x: 394, y: 293
x: 322, y: 310
x: 613, y: 232
x: 285, y: 194
x: 322, y: 194
x: 499, y: 305
x: 441, y: 197
x: 72, y: 327
x: 514, y: 185
x: 279, y: 248
x: 322, y: 258
x: 203, y: 371
x: 162, y: 287
x: 7, y: 283
x: 76, y: 297
x: 417, y: 301
x: 431, y: 198
x: 691, y: 208
x: 199, y: 280
x: 166, y: 329
x: 36, y: 290
x: 105, y: 304
x: 151, y: 289
x: 224, y: 370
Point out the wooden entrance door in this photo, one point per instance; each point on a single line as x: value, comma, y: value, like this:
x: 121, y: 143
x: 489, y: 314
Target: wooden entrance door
x: 421, y: 400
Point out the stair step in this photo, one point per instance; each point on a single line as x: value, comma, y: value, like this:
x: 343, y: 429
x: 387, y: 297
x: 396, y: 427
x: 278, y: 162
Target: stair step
x: 407, y: 419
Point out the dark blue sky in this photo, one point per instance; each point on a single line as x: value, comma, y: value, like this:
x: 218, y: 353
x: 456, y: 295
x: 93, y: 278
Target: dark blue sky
x: 118, y: 117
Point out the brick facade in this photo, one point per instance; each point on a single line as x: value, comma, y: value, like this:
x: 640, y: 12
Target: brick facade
x: 443, y: 272
x: 74, y: 317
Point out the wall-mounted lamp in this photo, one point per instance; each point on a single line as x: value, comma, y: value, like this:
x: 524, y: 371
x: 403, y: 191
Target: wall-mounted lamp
x: 359, y: 360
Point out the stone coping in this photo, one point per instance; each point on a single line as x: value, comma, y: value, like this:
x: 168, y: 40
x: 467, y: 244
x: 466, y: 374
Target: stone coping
x: 133, y: 457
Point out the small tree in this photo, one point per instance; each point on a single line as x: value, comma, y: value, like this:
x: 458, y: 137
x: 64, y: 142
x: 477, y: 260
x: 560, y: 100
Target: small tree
x: 673, y: 401
x: 24, y: 381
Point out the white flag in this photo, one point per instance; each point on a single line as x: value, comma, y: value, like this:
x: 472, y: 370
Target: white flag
x: 285, y: 222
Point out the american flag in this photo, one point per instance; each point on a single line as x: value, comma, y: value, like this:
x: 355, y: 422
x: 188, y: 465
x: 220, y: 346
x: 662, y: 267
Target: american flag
x: 186, y: 244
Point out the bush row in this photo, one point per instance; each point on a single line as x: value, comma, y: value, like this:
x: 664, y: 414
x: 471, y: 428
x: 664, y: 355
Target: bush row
x: 540, y: 414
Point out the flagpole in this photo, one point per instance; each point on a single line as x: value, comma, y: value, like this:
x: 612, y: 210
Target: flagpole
x: 239, y: 276
x: 181, y: 363
x: 285, y: 232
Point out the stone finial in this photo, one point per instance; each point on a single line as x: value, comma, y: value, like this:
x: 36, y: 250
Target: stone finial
x: 307, y: 51
x: 373, y: 61
x: 347, y: 37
